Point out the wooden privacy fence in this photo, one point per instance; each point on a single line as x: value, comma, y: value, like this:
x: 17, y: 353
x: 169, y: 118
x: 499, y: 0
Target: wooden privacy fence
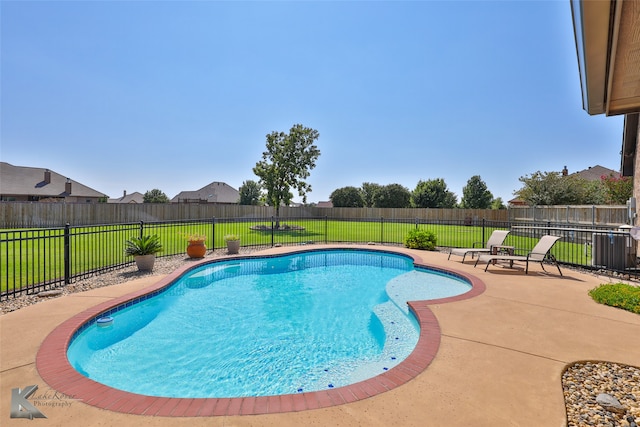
x: 582, y: 214
x: 38, y: 215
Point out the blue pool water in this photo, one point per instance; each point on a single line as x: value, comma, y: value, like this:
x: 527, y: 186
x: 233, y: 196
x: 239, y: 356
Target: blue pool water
x: 265, y: 326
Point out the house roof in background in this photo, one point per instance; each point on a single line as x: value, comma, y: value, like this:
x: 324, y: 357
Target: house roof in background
x: 595, y: 173
x: 134, y: 197
x: 216, y: 192
x: 28, y: 181
x: 328, y: 204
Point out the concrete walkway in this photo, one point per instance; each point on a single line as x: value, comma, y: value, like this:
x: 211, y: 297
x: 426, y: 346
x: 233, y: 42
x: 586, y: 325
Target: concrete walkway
x: 500, y: 359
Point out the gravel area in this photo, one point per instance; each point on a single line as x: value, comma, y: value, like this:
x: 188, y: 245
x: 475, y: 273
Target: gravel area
x: 163, y: 265
x: 581, y: 382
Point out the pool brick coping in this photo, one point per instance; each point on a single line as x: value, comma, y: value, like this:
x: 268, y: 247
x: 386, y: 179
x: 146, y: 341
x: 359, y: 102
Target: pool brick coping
x: 55, y: 370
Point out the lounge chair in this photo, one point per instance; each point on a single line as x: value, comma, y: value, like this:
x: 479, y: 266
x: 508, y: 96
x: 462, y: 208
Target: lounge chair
x: 539, y: 253
x: 496, y: 239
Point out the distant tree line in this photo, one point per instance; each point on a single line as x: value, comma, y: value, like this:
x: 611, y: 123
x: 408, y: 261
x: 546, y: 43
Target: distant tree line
x: 432, y: 193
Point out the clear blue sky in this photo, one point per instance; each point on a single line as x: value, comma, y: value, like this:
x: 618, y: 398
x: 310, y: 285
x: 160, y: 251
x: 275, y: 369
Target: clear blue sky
x: 137, y: 95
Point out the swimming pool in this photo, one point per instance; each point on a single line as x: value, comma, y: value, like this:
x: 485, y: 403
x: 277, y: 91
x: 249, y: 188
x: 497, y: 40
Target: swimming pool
x: 54, y: 368
x: 267, y: 326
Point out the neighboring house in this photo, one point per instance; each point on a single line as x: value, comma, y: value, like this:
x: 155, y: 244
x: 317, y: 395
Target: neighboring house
x: 517, y: 202
x: 216, y: 192
x: 27, y: 184
x: 593, y: 173
x: 128, y: 198
x: 328, y: 204
x: 607, y: 45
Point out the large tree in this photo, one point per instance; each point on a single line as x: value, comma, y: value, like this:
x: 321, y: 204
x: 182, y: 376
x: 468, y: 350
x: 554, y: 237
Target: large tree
x: 286, y: 164
x: 368, y: 190
x: 392, y: 196
x: 433, y: 193
x: 552, y: 188
x: 250, y: 193
x: 346, y: 197
x: 155, y: 196
x: 475, y: 194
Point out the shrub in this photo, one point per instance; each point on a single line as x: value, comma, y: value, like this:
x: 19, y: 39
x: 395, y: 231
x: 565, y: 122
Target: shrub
x: 621, y: 295
x: 145, y: 245
x: 420, y: 239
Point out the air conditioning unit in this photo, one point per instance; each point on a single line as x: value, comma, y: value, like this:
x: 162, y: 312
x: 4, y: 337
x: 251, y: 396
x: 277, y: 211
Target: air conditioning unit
x: 613, y: 251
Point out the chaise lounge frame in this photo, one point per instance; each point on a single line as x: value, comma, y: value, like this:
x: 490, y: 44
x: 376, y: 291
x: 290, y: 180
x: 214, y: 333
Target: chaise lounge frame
x: 496, y: 239
x: 539, y: 253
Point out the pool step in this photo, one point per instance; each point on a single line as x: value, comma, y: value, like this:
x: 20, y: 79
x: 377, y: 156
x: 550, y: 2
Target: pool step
x: 401, y: 338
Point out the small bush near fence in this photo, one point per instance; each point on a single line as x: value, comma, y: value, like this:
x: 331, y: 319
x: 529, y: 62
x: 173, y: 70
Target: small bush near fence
x: 420, y: 239
x: 621, y: 295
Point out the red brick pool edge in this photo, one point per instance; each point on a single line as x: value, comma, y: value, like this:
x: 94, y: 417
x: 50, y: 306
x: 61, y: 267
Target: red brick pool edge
x: 55, y: 370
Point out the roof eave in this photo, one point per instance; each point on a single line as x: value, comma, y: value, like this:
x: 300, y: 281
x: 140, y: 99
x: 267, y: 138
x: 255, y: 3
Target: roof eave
x: 593, y: 25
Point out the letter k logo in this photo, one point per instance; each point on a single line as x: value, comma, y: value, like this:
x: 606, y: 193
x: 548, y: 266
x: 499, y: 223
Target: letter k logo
x: 21, y: 407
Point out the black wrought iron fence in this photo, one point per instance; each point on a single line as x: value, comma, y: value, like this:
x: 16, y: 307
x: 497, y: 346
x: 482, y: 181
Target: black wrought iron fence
x: 33, y: 260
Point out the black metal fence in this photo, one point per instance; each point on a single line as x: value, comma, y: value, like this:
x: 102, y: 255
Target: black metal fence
x: 33, y: 260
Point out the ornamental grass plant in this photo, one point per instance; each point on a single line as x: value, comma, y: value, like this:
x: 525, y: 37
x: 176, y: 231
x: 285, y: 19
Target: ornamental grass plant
x: 145, y: 245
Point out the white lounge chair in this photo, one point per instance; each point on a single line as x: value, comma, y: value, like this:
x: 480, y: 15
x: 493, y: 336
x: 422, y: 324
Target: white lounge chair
x: 496, y: 239
x: 539, y: 253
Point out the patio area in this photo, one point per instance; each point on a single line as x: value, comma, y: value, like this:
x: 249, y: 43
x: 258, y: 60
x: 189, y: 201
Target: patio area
x: 500, y: 360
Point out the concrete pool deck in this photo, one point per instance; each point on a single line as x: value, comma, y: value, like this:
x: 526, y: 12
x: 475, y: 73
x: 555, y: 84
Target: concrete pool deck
x: 500, y: 360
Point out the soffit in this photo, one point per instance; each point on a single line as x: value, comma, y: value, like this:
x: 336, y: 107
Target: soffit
x: 624, y: 77
x: 591, y: 27
x: 608, y: 47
